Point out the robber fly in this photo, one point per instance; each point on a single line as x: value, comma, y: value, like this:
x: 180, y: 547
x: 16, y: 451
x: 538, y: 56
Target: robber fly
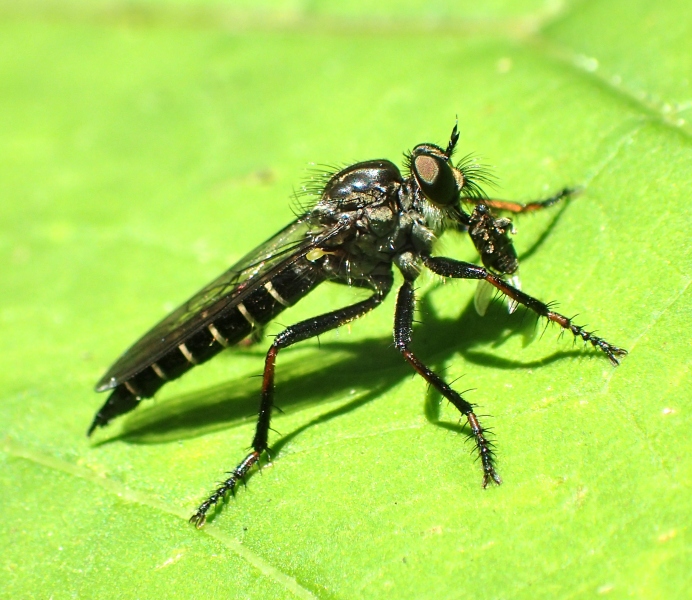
x: 367, y: 218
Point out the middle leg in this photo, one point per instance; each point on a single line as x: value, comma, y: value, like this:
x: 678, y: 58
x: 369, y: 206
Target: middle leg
x: 403, y: 328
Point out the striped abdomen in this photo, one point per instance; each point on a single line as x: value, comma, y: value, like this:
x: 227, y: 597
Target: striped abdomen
x: 230, y: 327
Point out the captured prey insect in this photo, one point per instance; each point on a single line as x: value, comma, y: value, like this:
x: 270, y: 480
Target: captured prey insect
x: 367, y: 218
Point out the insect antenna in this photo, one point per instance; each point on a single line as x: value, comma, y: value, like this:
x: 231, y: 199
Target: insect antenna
x: 453, y: 139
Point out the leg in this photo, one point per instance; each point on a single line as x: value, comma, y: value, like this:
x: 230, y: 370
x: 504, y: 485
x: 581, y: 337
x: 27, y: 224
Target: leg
x: 448, y: 267
x: 289, y: 336
x: 403, y: 325
x: 517, y: 207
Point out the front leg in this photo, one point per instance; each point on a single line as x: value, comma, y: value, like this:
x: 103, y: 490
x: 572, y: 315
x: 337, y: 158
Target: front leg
x: 403, y: 328
x: 448, y: 267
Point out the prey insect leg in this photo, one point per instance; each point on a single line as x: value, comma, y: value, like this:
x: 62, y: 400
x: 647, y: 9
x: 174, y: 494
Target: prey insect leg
x: 289, y: 336
x: 403, y: 327
x: 518, y: 207
x: 448, y: 267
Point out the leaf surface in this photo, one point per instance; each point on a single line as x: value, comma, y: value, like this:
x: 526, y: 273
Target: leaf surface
x: 145, y: 146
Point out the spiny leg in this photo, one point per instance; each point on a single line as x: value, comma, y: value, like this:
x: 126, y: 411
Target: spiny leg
x: 289, y: 336
x: 448, y: 267
x: 236, y: 475
x: 518, y: 207
x: 403, y: 327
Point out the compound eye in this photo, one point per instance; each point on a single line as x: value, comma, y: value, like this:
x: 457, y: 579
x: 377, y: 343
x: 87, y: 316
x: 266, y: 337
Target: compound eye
x: 435, y: 178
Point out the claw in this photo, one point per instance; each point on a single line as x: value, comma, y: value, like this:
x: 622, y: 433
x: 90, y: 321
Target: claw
x: 198, y: 520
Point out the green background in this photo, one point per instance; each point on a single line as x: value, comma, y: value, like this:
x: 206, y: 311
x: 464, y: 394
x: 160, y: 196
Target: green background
x: 147, y: 145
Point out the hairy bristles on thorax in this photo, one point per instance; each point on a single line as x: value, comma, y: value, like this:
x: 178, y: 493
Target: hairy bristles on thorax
x: 437, y: 218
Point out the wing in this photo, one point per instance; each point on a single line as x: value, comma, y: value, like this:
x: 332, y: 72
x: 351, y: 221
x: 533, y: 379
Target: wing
x: 254, y: 269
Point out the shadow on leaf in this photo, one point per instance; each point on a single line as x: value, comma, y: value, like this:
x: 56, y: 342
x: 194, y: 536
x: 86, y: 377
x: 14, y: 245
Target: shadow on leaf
x: 336, y: 370
x: 365, y: 368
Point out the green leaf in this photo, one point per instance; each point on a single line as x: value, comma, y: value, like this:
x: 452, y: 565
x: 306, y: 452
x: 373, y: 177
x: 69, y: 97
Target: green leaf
x: 147, y: 145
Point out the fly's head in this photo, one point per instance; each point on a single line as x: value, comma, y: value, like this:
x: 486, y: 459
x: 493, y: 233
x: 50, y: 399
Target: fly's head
x: 439, y: 186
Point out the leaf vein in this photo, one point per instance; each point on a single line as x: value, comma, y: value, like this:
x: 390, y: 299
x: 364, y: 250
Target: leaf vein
x: 18, y: 450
